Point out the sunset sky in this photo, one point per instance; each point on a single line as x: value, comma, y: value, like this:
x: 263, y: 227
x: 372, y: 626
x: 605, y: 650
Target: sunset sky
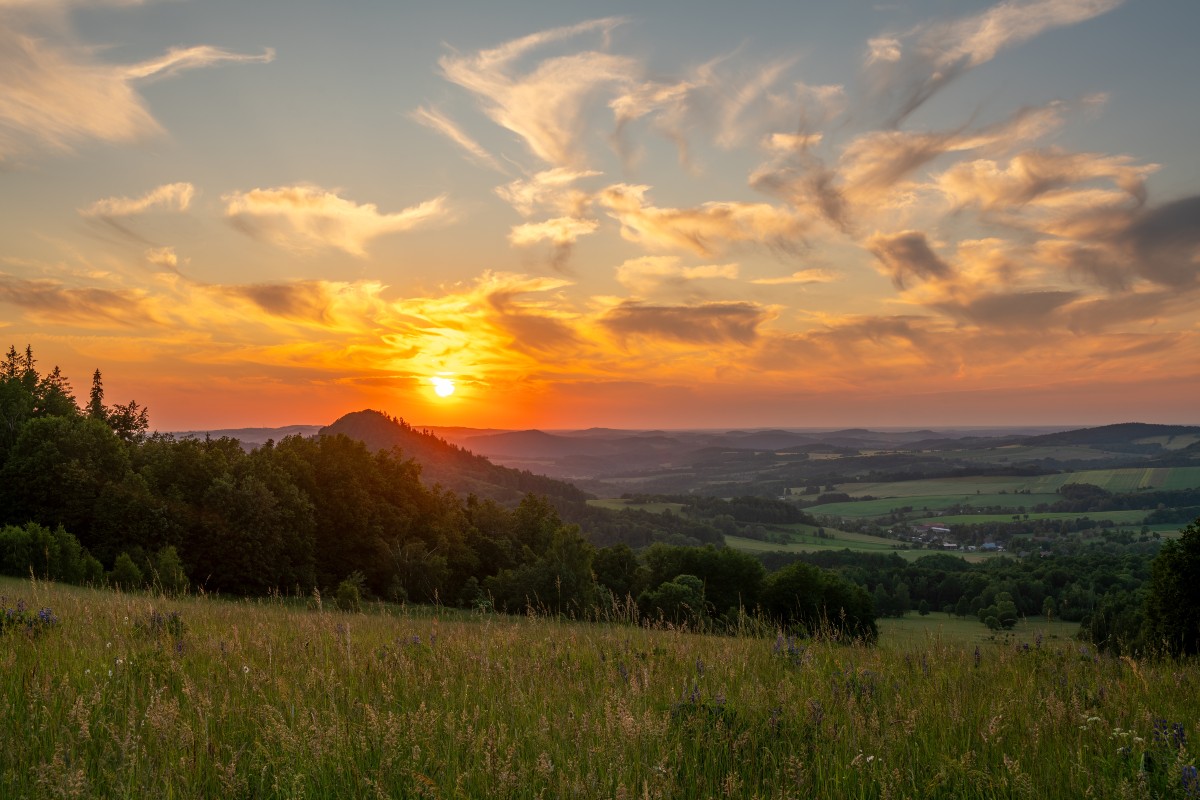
x: 657, y: 214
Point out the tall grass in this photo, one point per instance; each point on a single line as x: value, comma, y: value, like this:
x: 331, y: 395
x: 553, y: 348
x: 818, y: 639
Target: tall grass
x: 146, y: 696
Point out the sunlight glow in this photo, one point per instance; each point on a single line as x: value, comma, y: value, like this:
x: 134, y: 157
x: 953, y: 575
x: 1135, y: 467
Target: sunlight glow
x: 444, y: 387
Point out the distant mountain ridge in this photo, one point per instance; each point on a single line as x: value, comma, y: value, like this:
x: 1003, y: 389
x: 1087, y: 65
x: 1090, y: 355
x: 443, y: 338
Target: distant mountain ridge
x: 447, y: 464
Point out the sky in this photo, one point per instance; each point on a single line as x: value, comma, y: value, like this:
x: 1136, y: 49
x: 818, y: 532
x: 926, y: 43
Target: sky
x: 558, y: 215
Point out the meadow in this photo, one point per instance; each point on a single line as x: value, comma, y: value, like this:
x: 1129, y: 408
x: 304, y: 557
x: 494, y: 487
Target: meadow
x: 147, y: 696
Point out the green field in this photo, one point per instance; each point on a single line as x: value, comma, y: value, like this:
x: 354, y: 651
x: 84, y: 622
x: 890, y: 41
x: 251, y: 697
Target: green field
x: 263, y: 699
x: 1113, y: 480
x: 1125, y: 518
x: 1007, y: 491
x: 618, y: 504
x: 863, y: 544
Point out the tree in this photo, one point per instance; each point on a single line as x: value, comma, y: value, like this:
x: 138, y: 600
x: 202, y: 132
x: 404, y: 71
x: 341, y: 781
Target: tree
x: 1049, y: 610
x: 1173, y: 600
x: 95, y: 406
x: 679, y: 600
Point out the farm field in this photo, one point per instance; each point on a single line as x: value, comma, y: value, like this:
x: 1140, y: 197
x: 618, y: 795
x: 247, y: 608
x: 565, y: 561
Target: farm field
x: 618, y: 504
x: 137, y: 696
x: 1128, y: 479
x: 1125, y: 518
x: 874, y: 545
x: 865, y: 509
x: 1007, y: 491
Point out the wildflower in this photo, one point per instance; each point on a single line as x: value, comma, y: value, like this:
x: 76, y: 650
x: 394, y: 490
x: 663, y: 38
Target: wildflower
x: 978, y: 657
x: 700, y: 667
x: 1190, y: 781
x: 245, y: 669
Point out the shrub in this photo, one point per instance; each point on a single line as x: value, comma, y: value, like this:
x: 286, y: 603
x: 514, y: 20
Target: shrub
x: 125, y: 574
x: 349, y: 593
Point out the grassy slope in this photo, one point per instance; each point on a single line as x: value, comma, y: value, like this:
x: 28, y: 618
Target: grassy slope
x: 264, y: 700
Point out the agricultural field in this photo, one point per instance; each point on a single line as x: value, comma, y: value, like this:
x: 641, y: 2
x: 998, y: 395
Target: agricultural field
x: 140, y: 696
x: 1123, y: 518
x: 863, y: 544
x: 1006, y: 491
x: 618, y: 504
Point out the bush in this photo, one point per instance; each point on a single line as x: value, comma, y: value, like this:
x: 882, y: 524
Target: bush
x: 125, y: 574
x: 349, y: 593
x: 169, y: 576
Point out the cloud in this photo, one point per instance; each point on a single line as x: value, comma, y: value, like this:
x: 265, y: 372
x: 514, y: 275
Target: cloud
x: 708, y: 323
x: 432, y: 118
x: 651, y: 274
x: 802, y: 277
x: 307, y: 301
x: 51, y: 302
x: 548, y: 189
x: 1033, y: 310
x: 872, y: 164
x: 163, y: 257
x: 57, y: 96
x: 910, y: 68
x: 732, y: 105
x: 704, y: 230
x: 562, y: 232
x: 305, y: 217
x: 178, y: 59
x: 170, y: 197
x: 1043, y: 175
x: 1165, y: 243
x: 559, y: 231
x: 545, y: 106
x: 907, y: 255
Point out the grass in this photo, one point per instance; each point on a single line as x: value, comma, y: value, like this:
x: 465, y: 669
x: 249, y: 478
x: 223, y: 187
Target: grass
x: 913, y: 629
x: 618, y: 504
x: 1126, y: 479
x: 1126, y: 518
x: 266, y: 700
x: 885, y: 546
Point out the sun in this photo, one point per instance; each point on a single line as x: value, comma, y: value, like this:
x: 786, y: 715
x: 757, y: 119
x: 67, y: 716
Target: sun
x: 444, y: 387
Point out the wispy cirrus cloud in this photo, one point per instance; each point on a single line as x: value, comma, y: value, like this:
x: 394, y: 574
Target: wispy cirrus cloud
x: 178, y: 59
x: 57, y: 95
x: 546, y: 105
x: 305, y: 217
x: 801, y: 277
x: 908, y: 68
x: 432, y: 118
x: 168, y: 197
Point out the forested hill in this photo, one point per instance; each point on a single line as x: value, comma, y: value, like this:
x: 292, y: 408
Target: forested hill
x: 1127, y: 433
x: 443, y: 463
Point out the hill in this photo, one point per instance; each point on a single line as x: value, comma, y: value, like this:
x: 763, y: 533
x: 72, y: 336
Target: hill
x: 446, y: 464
